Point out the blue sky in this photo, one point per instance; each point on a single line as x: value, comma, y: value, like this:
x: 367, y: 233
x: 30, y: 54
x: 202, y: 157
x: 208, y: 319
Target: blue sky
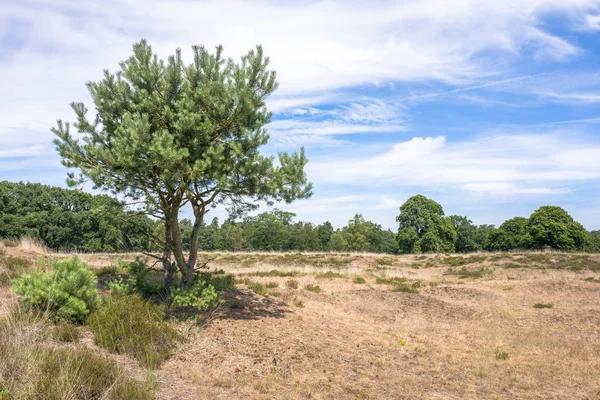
x: 490, y: 108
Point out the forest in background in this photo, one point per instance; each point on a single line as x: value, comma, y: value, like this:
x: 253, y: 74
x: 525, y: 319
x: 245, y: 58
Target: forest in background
x: 73, y: 220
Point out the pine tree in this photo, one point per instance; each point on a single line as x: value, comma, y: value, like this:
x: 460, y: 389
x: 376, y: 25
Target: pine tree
x: 169, y: 134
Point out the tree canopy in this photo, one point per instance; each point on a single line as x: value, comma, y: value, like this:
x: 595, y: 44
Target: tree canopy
x: 70, y: 219
x: 424, y: 228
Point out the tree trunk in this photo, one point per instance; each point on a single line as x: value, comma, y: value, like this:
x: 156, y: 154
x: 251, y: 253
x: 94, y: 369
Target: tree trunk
x: 168, y: 265
x: 186, y: 270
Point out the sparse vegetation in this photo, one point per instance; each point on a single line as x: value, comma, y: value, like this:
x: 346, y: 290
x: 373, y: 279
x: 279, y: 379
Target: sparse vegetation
x: 257, y: 288
x: 543, y: 305
x: 359, y: 280
x: 330, y: 275
x: 134, y: 326
x: 501, y: 355
x: 292, y: 284
x: 272, y: 285
x: 313, y: 288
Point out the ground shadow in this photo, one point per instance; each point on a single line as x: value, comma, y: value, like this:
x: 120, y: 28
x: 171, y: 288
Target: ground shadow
x: 243, y: 304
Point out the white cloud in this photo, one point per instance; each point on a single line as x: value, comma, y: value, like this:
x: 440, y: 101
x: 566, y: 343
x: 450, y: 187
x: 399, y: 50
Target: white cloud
x: 501, y: 164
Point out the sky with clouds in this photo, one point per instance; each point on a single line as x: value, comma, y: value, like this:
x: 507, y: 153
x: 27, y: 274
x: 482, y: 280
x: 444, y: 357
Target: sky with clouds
x: 492, y: 108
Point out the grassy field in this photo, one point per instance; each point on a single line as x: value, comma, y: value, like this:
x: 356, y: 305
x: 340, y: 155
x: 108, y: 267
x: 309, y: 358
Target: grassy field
x: 365, y: 326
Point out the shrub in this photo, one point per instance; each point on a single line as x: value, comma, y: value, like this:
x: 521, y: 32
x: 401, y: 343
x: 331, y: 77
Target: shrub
x: 359, y: 279
x: 218, y: 279
x: 313, y: 288
x: 543, y: 305
x: 69, y: 291
x: 272, y: 285
x: 292, y: 284
x: 65, y: 332
x: 81, y: 374
x: 120, y: 288
x: 110, y: 270
x: 257, y: 288
x: 134, y: 326
x: 201, y: 295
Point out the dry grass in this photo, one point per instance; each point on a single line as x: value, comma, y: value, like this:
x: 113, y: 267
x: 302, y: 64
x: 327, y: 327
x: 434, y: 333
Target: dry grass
x: 470, y: 334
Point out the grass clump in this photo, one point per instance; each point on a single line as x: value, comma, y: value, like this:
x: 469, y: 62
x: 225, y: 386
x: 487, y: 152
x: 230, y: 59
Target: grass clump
x: 134, y: 326
x: 69, y: 291
x: 65, y: 332
x: 272, y: 285
x: 359, y: 280
x: 30, y: 371
x: 407, y: 287
x: 384, y: 261
x: 292, y: 284
x: 464, y: 273
x: 13, y: 268
x: 501, y: 355
x: 313, y: 288
x: 543, y: 305
x: 257, y: 288
x: 81, y: 374
x: 330, y: 275
x: 273, y: 273
x: 10, y: 243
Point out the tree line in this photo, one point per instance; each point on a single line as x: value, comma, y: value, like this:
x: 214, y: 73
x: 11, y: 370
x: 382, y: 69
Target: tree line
x: 77, y: 221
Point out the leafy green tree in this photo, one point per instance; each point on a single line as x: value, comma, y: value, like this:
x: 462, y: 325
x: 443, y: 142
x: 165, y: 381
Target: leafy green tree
x: 169, y: 134
x: 482, y: 235
x: 552, y: 227
x: 269, y: 230
x: 70, y: 219
x: 594, y: 242
x: 510, y: 235
x: 466, y: 234
x: 304, y: 237
x: 232, y: 236
x: 338, y: 241
x: 424, y: 228
x: 325, y: 230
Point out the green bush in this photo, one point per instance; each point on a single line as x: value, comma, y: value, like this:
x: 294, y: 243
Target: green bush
x: 134, y: 326
x: 120, y: 287
x: 201, y: 295
x: 69, y: 291
x: 359, y: 279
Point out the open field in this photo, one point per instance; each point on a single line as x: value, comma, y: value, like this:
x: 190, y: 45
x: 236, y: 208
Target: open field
x: 366, y: 326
